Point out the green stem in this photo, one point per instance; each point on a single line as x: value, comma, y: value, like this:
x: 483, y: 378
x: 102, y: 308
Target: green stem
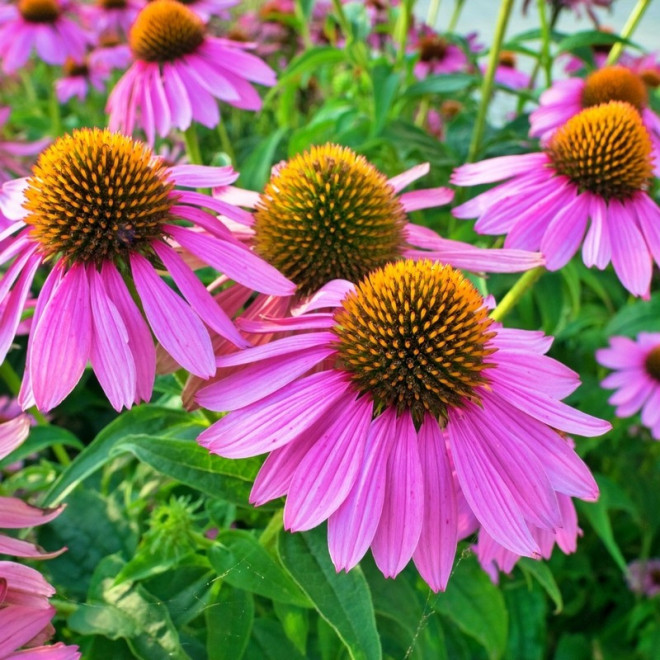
x: 630, y: 26
x: 192, y: 145
x: 456, y: 14
x: 30, y: 91
x: 303, y: 25
x: 516, y: 292
x: 432, y: 14
x: 55, y: 115
x: 401, y: 29
x: 488, y: 82
x: 344, y: 23
x: 226, y: 142
x: 13, y: 382
x: 544, y: 60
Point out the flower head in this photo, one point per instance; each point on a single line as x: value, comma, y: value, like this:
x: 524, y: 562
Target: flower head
x: 13, y: 152
x: 507, y: 74
x: 79, y: 77
x: 644, y: 577
x: 111, y: 17
x: 43, y: 25
x: 596, y: 167
x: 381, y: 415
x: 567, y: 98
x: 437, y: 55
x: 104, y: 213
x: 636, y: 377
x: 179, y: 72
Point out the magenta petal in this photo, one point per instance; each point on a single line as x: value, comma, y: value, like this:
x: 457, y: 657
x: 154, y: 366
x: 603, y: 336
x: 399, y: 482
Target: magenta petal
x: 497, y: 169
x: 352, y: 527
x: 435, y: 552
x: 111, y: 356
x: 258, y: 380
x: 12, y: 434
x: 140, y: 341
x: 61, y: 341
x: 327, y: 473
x: 564, y: 234
x: 426, y: 199
x: 51, y: 652
x: 18, y: 548
x: 18, y: 625
x: 402, y: 517
x: 175, y: 325
x: 197, y: 296
x: 202, y: 176
x: 400, y: 181
x: 235, y: 261
x: 597, y: 246
x: 329, y: 295
x: 277, y: 420
x: 15, y: 513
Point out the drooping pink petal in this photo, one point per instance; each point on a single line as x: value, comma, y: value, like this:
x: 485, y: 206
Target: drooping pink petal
x: 329, y: 295
x: 351, y: 528
x: 329, y: 469
x: 19, y: 625
x: 15, y: 513
x: 426, y: 199
x: 434, y: 555
x: 597, y: 246
x: 12, y: 434
x: 61, y: 340
x: 565, y: 232
x: 175, y: 325
x: 400, y: 181
x: 202, y: 176
x: 497, y: 169
x: 18, y: 548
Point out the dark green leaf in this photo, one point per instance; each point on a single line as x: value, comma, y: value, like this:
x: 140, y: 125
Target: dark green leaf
x: 543, y: 575
x: 270, y: 643
x: 229, y: 624
x: 448, y: 83
x: 591, y: 38
x: 311, y: 60
x: 40, y: 438
x: 527, y: 610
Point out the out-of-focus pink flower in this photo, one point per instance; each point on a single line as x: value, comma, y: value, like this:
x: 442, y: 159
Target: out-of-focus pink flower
x: 386, y: 399
x: 636, y: 377
x: 110, y: 53
x: 14, y: 154
x: 46, y: 26
x: 506, y: 73
x: 578, y: 6
x: 597, y: 167
x: 79, y: 77
x: 179, y: 72
x: 436, y: 54
x: 113, y: 17
x: 643, y: 577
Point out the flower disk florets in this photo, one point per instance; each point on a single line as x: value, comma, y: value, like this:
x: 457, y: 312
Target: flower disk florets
x: 415, y: 335
x: 432, y: 48
x: 614, y: 83
x: 604, y: 150
x: 39, y: 11
x: 165, y: 30
x: 96, y: 195
x: 328, y: 214
x: 652, y: 363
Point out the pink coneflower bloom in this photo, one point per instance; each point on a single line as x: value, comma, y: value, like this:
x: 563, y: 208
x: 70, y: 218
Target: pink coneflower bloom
x: 179, y: 72
x: 365, y: 409
x: 102, y: 212
x: 113, y: 17
x: 567, y: 98
x: 79, y: 77
x: 12, y: 153
x: 436, y: 54
x: 577, y: 6
x: 636, y: 378
x: 643, y: 577
x: 206, y: 9
x: 42, y: 25
x: 506, y: 73
x: 110, y: 53
x: 597, y: 166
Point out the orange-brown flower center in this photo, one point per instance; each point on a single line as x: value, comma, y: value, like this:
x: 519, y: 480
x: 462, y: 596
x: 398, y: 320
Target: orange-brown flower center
x: 73, y: 68
x: 414, y: 335
x: 113, y: 4
x: 652, y: 364
x: 328, y: 214
x: 604, y: 150
x: 96, y: 195
x: 508, y: 59
x: 165, y: 30
x: 432, y: 48
x: 614, y: 83
x: 651, y: 77
x: 39, y: 11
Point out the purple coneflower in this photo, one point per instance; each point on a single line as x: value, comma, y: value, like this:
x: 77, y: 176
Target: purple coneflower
x: 12, y: 152
x: 179, y: 72
x: 79, y: 77
x: 567, y: 98
x: 644, y: 577
x: 506, y: 73
x: 636, y: 378
x: 206, y: 9
x: 103, y: 212
x: 366, y: 407
x: 113, y: 17
x: 436, y: 54
x: 597, y: 166
x: 41, y: 25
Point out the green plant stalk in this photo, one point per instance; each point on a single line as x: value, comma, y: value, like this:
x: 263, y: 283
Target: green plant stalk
x: 13, y: 382
x: 401, y: 29
x: 630, y: 26
x: 544, y: 60
x: 192, y: 145
x: 456, y: 14
x: 488, y: 82
x: 516, y: 292
x: 432, y: 13
x: 55, y: 114
x: 343, y: 21
x: 226, y: 142
x: 303, y: 25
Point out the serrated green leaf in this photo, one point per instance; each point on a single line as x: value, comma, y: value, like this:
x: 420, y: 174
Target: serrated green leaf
x: 241, y: 561
x: 342, y: 599
x: 476, y: 606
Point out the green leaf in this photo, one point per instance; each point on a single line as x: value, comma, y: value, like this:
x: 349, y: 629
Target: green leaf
x: 40, y: 438
x: 194, y: 466
x: 641, y: 316
x: 596, y: 513
x: 311, y: 60
x: 128, y: 611
x: 269, y: 642
x: 143, y: 419
x: 476, y: 606
x: 448, y: 83
x: 229, y: 624
x: 543, y: 575
x: 592, y: 38
x: 385, y: 84
x: 241, y: 561
x: 295, y: 622
x: 255, y: 169
x: 527, y: 611
x: 343, y: 600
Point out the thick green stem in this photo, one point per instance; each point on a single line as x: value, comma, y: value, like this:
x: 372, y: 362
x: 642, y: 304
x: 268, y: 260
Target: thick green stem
x: 192, y: 145
x: 628, y: 29
x: 489, y: 78
x: 456, y: 14
x: 432, y: 14
x: 544, y: 60
x: 226, y: 142
x: 511, y: 299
